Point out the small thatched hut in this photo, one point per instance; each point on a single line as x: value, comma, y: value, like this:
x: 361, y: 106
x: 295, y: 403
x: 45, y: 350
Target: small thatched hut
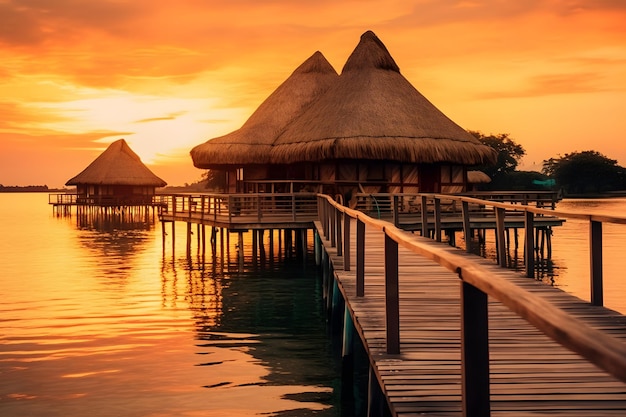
x: 249, y: 146
x: 374, y: 129
x: 116, y: 177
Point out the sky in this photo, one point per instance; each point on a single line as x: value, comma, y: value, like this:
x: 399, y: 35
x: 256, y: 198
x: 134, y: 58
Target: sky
x: 166, y: 76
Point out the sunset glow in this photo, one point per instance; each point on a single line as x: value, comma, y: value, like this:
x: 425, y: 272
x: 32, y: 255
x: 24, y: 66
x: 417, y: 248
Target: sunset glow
x: 167, y: 76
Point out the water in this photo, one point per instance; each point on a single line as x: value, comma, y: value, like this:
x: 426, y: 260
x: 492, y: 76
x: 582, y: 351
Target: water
x: 571, y: 251
x: 108, y: 323
x: 114, y: 323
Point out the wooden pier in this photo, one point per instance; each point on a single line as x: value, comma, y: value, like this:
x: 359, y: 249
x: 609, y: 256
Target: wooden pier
x: 446, y: 332
x: 449, y: 333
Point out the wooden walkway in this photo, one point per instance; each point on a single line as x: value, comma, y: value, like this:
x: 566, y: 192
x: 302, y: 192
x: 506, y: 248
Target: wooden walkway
x: 530, y: 374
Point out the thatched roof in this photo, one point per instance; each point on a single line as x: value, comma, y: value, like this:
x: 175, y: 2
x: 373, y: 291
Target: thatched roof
x: 117, y: 165
x: 373, y: 112
x: 477, y: 177
x: 251, y: 143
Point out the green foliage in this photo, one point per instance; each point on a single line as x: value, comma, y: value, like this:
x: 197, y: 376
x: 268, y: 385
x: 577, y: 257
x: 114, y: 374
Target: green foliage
x: 586, y: 172
x: 517, y: 181
x: 215, y: 179
x: 509, y: 153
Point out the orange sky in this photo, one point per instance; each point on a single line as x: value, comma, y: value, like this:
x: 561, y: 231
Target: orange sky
x: 166, y: 76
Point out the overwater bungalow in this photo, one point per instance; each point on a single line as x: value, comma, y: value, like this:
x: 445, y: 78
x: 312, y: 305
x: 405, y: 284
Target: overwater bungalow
x: 116, y: 178
x: 369, y: 131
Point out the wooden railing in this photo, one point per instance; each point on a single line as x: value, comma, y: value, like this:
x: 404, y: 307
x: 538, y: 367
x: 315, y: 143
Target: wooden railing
x: 433, y: 208
x: 62, y: 198
x: 241, y: 208
x: 477, y: 284
x: 103, y: 200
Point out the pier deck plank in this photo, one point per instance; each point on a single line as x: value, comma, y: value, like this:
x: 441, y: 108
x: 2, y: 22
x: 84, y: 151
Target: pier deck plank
x: 530, y: 374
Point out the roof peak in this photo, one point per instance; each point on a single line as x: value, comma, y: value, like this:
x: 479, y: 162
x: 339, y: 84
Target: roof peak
x: 316, y: 63
x: 370, y: 53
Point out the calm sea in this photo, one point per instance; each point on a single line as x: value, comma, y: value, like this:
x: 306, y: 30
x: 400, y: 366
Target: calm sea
x: 108, y: 323
x: 104, y: 322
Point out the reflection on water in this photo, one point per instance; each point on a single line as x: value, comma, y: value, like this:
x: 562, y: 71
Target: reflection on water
x: 102, y: 321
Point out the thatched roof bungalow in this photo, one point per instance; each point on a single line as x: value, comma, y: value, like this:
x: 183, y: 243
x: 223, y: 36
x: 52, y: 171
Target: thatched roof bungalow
x: 116, y: 177
x: 373, y: 127
x: 369, y: 130
x: 249, y: 146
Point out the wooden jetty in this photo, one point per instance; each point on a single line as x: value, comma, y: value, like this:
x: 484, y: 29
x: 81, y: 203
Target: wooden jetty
x: 446, y: 332
x: 452, y: 334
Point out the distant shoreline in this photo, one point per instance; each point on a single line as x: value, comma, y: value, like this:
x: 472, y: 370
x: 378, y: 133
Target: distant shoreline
x: 31, y: 189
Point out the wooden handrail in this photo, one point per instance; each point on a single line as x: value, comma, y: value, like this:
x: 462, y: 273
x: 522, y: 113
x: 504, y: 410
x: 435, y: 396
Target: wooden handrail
x: 598, y: 348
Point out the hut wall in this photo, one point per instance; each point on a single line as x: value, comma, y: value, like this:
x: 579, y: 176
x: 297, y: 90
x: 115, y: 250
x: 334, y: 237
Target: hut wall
x: 327, y: 172
x: 393, y: 174
x: 107, y: 194
x: 410, y: 178
x: 453, y: 179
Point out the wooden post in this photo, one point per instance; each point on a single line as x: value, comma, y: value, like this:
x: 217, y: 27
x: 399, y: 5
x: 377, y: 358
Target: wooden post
x: 360, y: 258
x: 595, y: 246
x: 173, y: 236
x: 325, y: 218
x: 474, y: 351
x: 395, y: 202
x: 338, y: 216
x: 529, y: 244
x: 240, y: 247
x: 392, y: 296
x: 438, y: 219
x: 467, y: 231
x: 424, y: 216
x: 163, y: 233
x: 500, y: 243
x: 254, y: 245
x: 318, y: 247
x: 346, y: 241
x: 333, y: 227
x: 188, y: 239
x: 348, y: 333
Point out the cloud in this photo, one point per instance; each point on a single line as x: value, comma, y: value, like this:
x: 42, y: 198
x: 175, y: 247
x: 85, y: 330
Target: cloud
x: 170, y: 116
x: 551, y: 84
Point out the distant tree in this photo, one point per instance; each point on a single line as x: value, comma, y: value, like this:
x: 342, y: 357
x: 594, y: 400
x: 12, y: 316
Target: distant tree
x: 509, y: 153
x: 586, y: 172
x: 215, y: 179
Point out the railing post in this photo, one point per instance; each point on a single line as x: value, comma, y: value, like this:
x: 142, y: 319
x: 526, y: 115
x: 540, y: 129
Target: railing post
x: 392, y: 296
x: 230, y: 209
x: 424, y: 216
x: 333, y: 226
x: 595, y: 249
x: 501, y: 244
x: 395, y: 201
x: 338, y: 216
x: 173, y: 205
x: 360, y: 258
x: 346, y: 241
x: 326, y: 223
x: 467, y: 231
x: 474, y: 351
x: 438, y: 219
x: 529, y: 244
